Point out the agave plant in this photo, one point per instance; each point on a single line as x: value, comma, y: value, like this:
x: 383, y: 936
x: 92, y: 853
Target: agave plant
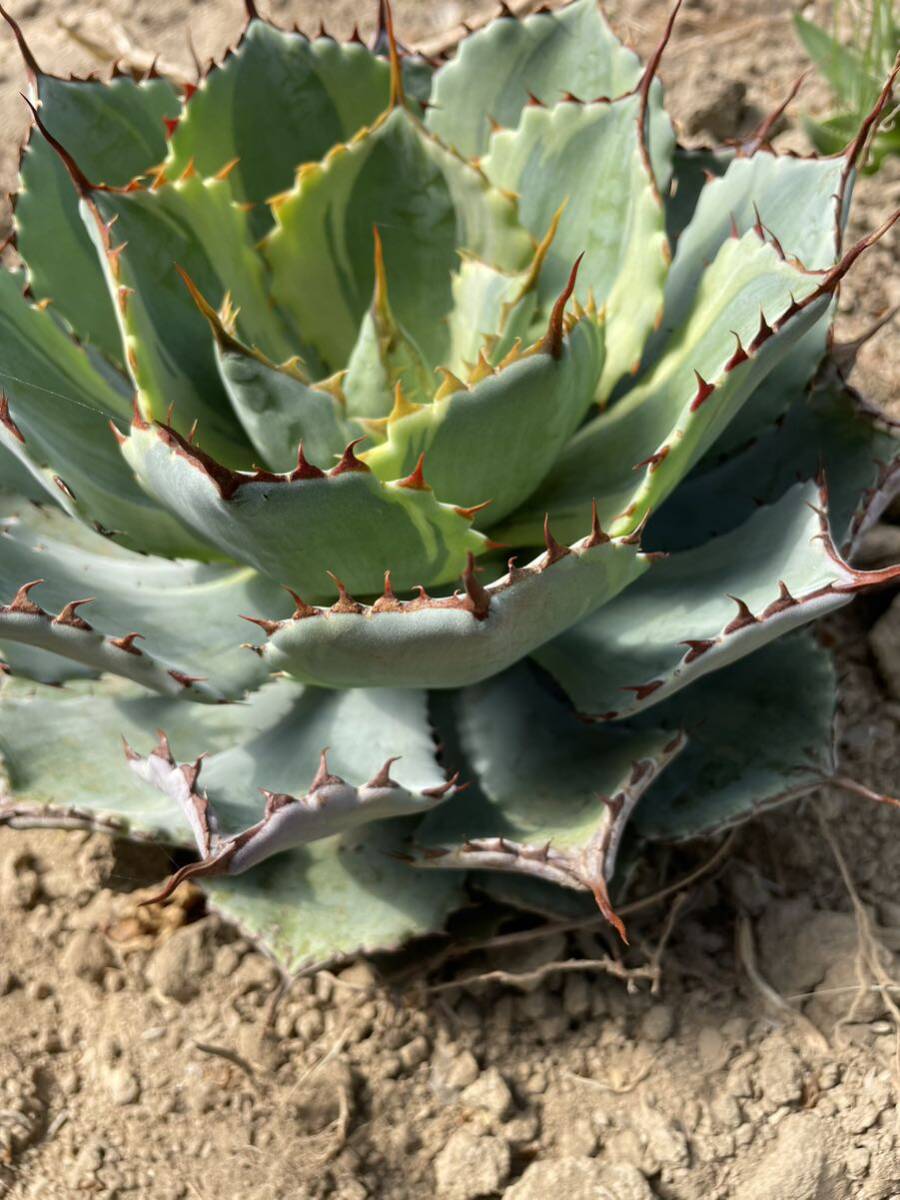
x: 507, y: 422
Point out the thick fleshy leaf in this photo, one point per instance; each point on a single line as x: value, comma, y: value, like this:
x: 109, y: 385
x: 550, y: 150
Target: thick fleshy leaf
x: 702, y: 609
x: 384, y: 357
x: 427, y: 204
x: 460, y: 639
x: 796, y: 200
x: 592, y: 159
x: 308, y: 796
x: 191, y: 225
x: 334, y: 899
x: 508, y: 427
x: 279, y: 408
x: 114, y: 131
x: 186, y: 614
x: 276, y: 404
x: 18, y: 479
x: 801, y: 203
x: 62, y: 749
x: 57, y: 427
x: 555, y: 793
x: 277, y: 101
x: 545, y: 55
x: 41, y: 666
x: 691, y: 168
x: 750, y: 309
x: 828, y: 428
x: 298, y: 527
x: 309, y: 905
x: 491, y: 309
x: 752, y: 741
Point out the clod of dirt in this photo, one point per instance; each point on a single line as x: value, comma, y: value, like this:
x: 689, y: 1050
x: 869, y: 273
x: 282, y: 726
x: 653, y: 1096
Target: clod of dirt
x: 580, y: 1179
x: 721, y: 110
x: 87, y: 956
x: 20, y: 884
x: 491, y: 1093
x: 780, y: 1074
x: 795, y: 1168
x: 470, y: 1166
x: 180, y: 965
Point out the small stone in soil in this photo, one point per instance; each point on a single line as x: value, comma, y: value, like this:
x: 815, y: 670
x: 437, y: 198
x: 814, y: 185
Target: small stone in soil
x: 470, y: 1166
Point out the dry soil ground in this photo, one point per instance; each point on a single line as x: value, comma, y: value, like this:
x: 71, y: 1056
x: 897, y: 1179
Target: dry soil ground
x: 751, y: 1055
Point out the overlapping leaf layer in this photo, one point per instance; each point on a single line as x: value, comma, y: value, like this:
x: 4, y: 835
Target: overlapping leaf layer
x: 510, y: 436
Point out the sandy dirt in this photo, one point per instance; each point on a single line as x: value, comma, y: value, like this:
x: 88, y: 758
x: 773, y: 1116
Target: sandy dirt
x: 748, y: 1047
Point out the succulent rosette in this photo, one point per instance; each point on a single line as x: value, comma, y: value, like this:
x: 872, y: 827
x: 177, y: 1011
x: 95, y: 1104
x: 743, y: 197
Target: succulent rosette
x: 509, y: 424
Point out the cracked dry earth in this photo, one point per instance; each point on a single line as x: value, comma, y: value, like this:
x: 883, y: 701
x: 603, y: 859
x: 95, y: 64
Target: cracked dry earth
x: 746, y: 1047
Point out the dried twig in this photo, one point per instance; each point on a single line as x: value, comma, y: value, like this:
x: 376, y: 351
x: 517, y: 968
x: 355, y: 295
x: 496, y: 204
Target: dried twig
x: 232, y: 1057
x: 870, y: 954
x: 746, y: 952
x: 524, y: 979
x: 618, y: 1089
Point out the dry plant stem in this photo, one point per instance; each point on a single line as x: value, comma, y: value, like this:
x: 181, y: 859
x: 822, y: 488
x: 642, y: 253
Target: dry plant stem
x: 523, y: 979
x: 746, y: 954
x: 655, y: 962
x: 860, y: 789
x: 620, y: 1089
x: 869, y: 961
x: 232, y: 1057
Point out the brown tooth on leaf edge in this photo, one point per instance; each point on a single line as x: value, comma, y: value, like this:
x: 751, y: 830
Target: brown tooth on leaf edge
x: 21, y: 604
x: 696, y: 647
x: 653, y: 460
x: 171, y: 124
x: 383, y: 777
x: 267, y: 626
x: 345, y: 602
x: 186, y: 681
x: 7, y: 421
x: 305, y: 469
x: 387, y: 601
x: 69, y: 615
x: 785, y: 600
x: 596, y: 537
x: 126, y: 643
x: 415, y: 480
x: 762, y: 334
x: 478, y: 595
x: 302, y: 609
x: 469, y: 514
x: 553, y: 338
x: 704, y: 391
x: 324, y: 777
x: 554, y: 550
x: 349, y: 461
x: 442, y: 790
x: 740, y: 354
x: 64, y: 488
x: 744, y: 618
x: 643, y: 690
